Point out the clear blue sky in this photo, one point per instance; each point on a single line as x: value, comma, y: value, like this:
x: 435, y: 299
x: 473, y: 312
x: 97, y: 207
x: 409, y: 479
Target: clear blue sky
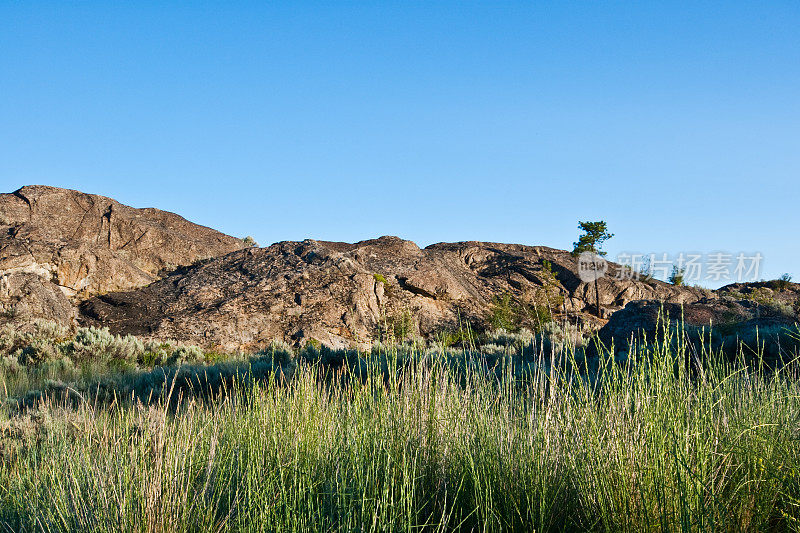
x: 678, y: 123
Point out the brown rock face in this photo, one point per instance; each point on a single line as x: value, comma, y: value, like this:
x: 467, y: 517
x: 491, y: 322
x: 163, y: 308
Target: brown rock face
x: 70, y: 256
x: 58, y: 244
x: 344, y: 294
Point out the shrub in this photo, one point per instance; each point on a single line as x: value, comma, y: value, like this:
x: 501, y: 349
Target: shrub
x: 387, y: 287
x: 10, y: 363
x: 536, y: 316
x: 155, y: 353
x: 504, y: 313
x: 313, y: 344
x: 54, y: 331
x: 186, y: 354
x: 397, y: 327
x: 277, y: 352
x: 507, y: 313
x: 99, y: 343
x: 782, y: 283
x: 553, y: 298
x: 447, y: 338
x: 676, y: 278
x: 38, y: 351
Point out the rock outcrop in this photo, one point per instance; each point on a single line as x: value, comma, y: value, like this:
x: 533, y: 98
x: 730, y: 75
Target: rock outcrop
x: 348, y: 294
x: 58, y: 246
x: 762, y: 318
x: 81, y: 258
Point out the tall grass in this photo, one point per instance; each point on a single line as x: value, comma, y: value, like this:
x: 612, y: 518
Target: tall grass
x: 650, y: 444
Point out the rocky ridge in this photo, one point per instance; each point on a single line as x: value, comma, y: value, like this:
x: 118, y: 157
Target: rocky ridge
x: 344, y: 294
x: 78, y: 258
x: 59, y: 246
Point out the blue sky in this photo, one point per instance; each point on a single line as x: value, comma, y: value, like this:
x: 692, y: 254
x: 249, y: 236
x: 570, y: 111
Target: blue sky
x: 678, y: 123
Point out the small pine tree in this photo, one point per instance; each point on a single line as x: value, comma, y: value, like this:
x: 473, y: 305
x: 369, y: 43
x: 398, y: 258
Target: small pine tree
x: 676, y: 278
x: 594, y: 235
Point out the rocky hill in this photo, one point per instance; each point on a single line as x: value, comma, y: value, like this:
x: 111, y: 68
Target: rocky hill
x: 80, y: 258
x: 59, y: 246
x: 344, y: 294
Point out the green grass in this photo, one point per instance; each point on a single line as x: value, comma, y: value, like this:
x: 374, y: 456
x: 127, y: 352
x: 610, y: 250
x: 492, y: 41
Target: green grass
x: 407, y: 439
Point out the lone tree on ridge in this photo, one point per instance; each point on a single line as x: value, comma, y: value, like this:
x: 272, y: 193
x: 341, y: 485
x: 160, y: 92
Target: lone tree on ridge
x: 592, y: 239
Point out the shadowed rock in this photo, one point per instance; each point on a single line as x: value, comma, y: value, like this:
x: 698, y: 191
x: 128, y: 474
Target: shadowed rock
x: 766, y: 326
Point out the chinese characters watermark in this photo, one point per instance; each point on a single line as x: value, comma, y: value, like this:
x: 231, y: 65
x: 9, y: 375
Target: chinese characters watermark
x: 691, y: 267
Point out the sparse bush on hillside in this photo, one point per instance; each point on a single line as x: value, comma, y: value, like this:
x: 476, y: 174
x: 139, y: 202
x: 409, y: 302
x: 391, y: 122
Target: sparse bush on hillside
x: 550, y: 292
x: 509, y: 314
x: 464, y: 337
x: 397, y: 327
x: 503, y: 313
x: 387, y: 287
x: 782, y: 283
x: 676, y: 278
x: 766, y: 298
x: 155, y: 353
x: 565, y: 333
x: 783, y: 308
x: 278, y: 352
x: 186, y: 354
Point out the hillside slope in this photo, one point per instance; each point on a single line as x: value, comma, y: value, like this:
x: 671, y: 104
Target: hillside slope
x: 58, y: 246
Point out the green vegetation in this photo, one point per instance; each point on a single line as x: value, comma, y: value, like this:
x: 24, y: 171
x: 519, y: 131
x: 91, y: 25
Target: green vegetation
x: 549, y: 295
x: 51, y: 353
x: 592, y: 239
x: 387, y: 287
x: 523, y: 434
x: 676, y: 278
x: 782, y: 283
x: 510, y: 314
x: 397, y: 327
x: 403, y: 326
x: 532, y: 310
x: 766, y: 298
x: 504, y: 313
